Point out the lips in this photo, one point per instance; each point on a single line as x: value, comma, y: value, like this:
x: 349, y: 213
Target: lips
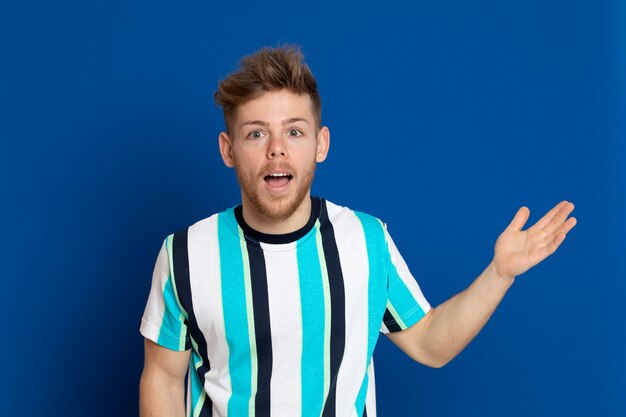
x: 278, y: 181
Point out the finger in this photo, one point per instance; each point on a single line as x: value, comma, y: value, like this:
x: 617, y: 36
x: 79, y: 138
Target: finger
x: 554, y: 244
x: 558, y: 237
x: 567, y: 226
x: 520, y: 219
x: 549, y: 248
x: 543, y: 222
x: 559, y: 219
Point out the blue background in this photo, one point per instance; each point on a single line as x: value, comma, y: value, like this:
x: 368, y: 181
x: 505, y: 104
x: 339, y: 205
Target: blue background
x: 445, y: 119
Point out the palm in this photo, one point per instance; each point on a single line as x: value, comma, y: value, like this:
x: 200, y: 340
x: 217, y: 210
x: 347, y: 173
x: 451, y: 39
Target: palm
x: 517, y: 251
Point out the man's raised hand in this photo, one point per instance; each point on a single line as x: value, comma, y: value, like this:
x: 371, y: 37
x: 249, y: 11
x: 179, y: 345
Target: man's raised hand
x: 517, y: 251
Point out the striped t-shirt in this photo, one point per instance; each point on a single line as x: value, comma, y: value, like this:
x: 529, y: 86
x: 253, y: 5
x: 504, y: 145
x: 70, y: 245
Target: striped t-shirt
x: 281, y: 325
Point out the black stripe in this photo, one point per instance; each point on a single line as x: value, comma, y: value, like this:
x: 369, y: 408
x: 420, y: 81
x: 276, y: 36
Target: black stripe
x: 337, y: 307
x: 365, y: 411
x: 262, y: 328
x: 390, y: 322
x: 183, y: 288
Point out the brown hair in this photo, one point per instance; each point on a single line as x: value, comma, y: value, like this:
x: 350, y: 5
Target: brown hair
x: 268, y: 69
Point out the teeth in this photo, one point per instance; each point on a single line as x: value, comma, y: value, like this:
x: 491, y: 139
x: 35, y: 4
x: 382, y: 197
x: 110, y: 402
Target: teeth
x: 279, y: 174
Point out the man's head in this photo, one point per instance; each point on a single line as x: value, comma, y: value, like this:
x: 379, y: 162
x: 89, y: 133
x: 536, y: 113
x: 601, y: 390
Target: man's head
x: 274, y: 139
x: 269, y: 69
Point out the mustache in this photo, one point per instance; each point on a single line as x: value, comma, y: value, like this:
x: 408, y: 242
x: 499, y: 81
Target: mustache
x: 280, y: 166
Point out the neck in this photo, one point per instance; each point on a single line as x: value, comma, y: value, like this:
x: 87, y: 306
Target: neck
x: 262, y: 224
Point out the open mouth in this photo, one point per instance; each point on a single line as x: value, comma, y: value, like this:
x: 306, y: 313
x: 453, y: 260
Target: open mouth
x: 278, y: 180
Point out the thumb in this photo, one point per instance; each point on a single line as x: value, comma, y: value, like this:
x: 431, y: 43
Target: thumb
x: 519, y: 220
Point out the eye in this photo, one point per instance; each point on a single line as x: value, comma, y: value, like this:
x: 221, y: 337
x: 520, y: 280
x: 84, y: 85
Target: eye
x: 294, y: 132
x: 255, y: 134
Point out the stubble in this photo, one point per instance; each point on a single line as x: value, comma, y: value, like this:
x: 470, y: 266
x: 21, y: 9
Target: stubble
x: 275, y: 206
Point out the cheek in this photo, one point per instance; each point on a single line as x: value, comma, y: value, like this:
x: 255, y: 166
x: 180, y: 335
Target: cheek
x: 246, y: 163
x: 304, y: 151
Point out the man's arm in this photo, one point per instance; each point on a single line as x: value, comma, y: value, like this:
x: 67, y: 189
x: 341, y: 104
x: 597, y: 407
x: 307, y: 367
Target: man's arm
x: 162, y: 387
x: 445, y: 331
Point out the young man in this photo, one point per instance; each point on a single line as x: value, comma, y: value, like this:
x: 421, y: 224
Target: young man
x: 275, y: 306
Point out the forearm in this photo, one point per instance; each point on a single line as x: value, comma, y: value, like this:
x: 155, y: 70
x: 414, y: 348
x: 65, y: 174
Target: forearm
x: 453, y: 324
x: 160, y: 396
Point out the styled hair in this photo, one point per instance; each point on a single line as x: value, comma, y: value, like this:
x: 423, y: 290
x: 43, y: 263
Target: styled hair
x: 267, y: 69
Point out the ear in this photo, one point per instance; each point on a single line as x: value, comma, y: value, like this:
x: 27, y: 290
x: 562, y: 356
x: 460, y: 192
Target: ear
x: 226, y: 149
x: 323, y: 143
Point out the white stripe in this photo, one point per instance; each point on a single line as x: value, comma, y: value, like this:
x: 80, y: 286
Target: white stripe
x: 405, y: 274
x: 384, y: 328
x: 155, y: 307
x: 206, y: 291
x: 370, y: 400
x: 350, y: 239
x: 283, y: 289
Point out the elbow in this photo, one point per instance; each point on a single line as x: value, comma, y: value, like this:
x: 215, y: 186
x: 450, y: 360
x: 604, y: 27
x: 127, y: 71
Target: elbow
x: 434, y: 364
x: 438, y: 364
x: 430, y: 359
x: 434, y: 361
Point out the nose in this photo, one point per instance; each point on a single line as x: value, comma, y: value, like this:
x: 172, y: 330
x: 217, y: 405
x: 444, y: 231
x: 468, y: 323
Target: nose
x: 276, y: 148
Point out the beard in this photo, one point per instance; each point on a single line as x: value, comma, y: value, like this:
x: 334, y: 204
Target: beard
x: 276, y: 206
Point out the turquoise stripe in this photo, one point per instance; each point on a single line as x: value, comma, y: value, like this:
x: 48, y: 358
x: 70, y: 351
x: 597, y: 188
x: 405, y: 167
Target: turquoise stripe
x: 171, y: 325
x: 312, y: 297
x: 377, y: 284
x: 235, y: 314
x: 196, y: 385
x: 402, y: 300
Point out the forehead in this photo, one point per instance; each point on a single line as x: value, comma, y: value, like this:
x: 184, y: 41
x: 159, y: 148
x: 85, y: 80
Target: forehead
x: 274, y: 107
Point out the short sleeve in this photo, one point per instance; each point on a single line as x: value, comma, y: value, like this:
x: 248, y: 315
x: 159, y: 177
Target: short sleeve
x: 406, y: 304
x: 163, y: 319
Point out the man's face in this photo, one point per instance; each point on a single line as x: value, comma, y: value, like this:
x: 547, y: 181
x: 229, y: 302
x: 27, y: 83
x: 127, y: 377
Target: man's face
x: 274, y: 147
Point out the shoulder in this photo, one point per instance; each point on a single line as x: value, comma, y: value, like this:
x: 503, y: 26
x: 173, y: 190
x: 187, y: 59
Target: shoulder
x: 201, y: 229
x: 338, y: 215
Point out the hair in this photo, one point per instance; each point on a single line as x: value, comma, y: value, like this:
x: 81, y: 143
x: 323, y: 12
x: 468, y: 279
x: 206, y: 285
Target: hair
x: 267, y: 69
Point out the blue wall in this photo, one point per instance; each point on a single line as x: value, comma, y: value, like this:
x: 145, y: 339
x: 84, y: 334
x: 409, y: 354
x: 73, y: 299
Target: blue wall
x: 445, y: 119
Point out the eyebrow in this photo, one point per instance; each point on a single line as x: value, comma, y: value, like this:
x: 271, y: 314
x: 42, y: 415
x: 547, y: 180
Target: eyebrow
x: 266, y: 124
x: 295, y: 119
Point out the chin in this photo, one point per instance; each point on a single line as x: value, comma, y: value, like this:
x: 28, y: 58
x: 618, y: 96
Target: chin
x: 277, y: 208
